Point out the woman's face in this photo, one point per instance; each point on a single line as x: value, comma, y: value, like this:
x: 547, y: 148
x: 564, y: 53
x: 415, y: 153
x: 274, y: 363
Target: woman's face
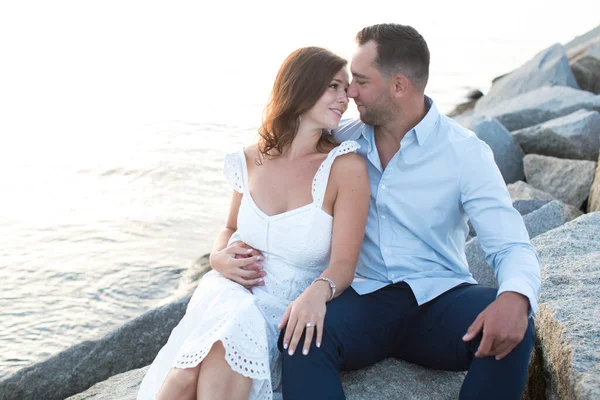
x: 328, y: 110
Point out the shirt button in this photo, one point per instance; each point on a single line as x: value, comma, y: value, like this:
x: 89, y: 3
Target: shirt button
x: 383, y: 187
x: 385, y: 250
x: 393, y: 276
x: 382, y: 217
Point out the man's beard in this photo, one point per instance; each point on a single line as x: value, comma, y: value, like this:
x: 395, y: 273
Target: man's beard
x: 377, y: 114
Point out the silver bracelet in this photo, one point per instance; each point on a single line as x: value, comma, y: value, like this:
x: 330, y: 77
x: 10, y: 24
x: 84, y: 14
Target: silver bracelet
x: 331, y: 285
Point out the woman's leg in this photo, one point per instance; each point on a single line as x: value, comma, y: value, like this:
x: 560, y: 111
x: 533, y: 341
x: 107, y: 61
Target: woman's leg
x: 218, y: 381
x: 213, y: 378
x: 180, y: 383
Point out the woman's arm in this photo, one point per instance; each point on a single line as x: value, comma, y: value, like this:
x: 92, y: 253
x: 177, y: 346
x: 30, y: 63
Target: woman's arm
x: 350, y: 210
x: 238, y: 262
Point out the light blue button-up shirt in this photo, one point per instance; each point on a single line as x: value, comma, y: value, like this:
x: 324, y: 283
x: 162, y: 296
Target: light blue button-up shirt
x: 442, y: 176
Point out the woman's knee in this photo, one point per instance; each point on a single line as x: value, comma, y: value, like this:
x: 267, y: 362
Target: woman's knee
x: 185, y: 377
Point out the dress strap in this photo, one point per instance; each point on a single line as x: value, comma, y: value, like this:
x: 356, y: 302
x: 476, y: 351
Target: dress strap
x: 322, y: 176
x: 234, y: 170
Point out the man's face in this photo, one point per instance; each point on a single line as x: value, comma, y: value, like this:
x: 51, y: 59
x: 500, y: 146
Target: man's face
x: 369, y: 88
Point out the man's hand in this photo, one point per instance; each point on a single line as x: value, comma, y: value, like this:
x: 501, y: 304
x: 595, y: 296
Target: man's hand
x: 504, y: 323
x: 239, y: 263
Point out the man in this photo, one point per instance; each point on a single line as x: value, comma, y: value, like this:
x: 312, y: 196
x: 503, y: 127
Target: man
x: 413, y: 296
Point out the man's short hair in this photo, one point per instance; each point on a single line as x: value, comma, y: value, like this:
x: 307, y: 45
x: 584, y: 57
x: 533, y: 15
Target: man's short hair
x: 400, y: 49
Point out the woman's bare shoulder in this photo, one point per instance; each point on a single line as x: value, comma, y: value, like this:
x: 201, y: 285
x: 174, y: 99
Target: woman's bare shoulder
x: 348, y: 166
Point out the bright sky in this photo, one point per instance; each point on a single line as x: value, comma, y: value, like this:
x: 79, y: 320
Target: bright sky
x: 72, y: 64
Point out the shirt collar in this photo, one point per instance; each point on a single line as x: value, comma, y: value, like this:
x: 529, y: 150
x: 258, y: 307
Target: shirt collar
x: 426, y: 125
x: 421, y: 130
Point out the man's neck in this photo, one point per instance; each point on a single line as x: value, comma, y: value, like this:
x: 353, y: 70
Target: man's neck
x: 410, y: 115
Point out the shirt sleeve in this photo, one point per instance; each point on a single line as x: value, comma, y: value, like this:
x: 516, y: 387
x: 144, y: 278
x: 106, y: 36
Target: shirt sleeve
x: 349, y: 129
x: 234, y: 238
x: 499, y: 226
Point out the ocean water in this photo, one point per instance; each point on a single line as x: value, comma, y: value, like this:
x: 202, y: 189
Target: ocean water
x: 100, y: 213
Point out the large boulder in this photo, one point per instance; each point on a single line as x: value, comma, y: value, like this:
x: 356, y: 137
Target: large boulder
x: 568, y: 322
x: 395, y: 379
x: 547, y: 217
x: 587, y: 44
x: 123, y: 386
x: 539, y: 105
x: 507, y: 155
x: 549, y: 67
x: 525, y: 207
x: 574, y: 136
x: 587, y: 73
x: 523, y: 191
x: 594, y: 199
x: 389, y: 379
x: 567, y: 180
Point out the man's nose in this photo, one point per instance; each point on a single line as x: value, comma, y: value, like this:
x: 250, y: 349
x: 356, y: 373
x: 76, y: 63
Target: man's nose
x: 352, y: 92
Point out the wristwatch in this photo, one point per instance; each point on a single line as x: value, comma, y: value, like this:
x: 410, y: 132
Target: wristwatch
x: 331, y: 285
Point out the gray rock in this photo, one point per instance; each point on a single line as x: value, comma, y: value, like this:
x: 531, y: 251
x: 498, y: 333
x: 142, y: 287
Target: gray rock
x: 575, y: 136
x: 394, y: 379
x: 462, y: 108
x: 472, y: 97
x: 541, y: 105
x: 524, y: 207
x: 567, y: 180
x: 594, y: 199
x: 587, y: 73
x: 507, y: 155
x: 549, y: 67
x: 389, y: 379
x: 584, y: 45
x: 133, y: 345
x: 568, y: 323
x: 547, y: 217
x: 550, y: 216
x: 523, y: 191
x: 119, y: 387
x: 579, y: 40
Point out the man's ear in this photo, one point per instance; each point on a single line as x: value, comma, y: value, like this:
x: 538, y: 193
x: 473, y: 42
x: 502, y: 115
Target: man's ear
x: 399, y: 85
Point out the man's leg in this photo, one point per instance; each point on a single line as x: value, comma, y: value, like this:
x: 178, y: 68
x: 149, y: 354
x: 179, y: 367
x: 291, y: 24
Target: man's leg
x: 435, y: 341
x: 358, y: 331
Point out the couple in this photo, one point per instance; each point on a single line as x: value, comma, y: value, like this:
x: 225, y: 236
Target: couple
x: 332, y: 260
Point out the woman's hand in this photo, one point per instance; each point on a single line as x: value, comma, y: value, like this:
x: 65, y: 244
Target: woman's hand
x: 239, y: 263
x: 306, y: 312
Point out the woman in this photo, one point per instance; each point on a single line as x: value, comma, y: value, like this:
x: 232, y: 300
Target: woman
x: 302, y: 201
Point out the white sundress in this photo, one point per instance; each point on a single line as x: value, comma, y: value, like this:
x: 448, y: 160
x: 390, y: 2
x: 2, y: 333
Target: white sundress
x: 296, y: 246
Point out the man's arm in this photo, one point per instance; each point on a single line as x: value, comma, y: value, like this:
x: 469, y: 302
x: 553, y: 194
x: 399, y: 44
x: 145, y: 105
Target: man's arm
x: 233, y: 258
x: 505, y: 241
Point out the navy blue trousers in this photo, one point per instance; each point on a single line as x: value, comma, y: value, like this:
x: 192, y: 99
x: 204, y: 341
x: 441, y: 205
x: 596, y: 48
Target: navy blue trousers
x: 362, y: 330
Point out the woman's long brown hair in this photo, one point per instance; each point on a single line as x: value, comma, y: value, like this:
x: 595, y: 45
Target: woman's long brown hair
x: 300, y: 83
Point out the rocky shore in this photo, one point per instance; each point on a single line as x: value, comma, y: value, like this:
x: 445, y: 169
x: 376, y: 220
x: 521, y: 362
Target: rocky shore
x: 542, y: 122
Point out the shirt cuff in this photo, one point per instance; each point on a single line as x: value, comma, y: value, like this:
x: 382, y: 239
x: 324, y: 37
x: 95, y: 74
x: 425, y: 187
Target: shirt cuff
x: 521, y: 287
